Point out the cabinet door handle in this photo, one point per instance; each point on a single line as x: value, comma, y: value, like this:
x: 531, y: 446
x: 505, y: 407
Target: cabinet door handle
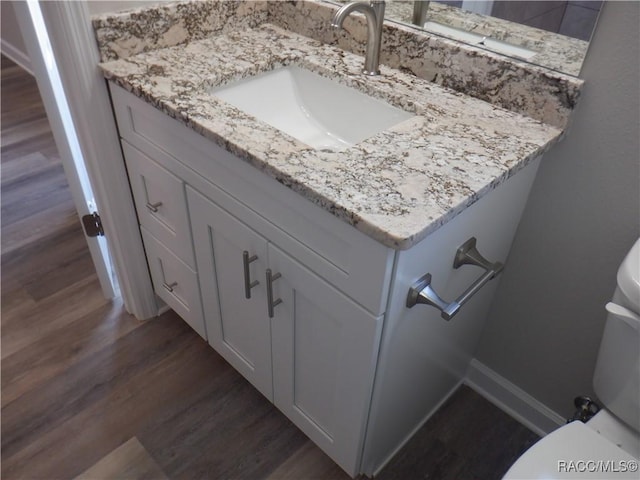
x: 271, y: 304
x: 422, y: 293
x: 248, y: 284
x: 169, y: 286
x: 153, y: 207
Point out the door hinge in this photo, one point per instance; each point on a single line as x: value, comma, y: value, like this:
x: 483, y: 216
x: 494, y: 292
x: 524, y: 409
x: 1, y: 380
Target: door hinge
x: 92, y: 225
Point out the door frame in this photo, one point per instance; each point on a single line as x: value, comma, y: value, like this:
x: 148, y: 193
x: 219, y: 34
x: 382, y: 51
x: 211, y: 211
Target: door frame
x: 76, y: 53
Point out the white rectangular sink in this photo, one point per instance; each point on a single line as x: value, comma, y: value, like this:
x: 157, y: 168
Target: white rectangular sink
x: 317, y: 111
x: 477, y: 39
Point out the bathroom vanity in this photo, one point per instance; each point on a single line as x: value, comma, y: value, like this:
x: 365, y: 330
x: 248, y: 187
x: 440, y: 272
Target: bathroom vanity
x: 295, y: 263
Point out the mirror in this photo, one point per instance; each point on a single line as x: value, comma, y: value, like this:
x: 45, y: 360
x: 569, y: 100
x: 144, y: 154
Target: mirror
x: 552, y: 34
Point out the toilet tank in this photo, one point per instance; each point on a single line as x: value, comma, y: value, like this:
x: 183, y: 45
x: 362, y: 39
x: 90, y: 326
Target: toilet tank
x: 627, y: 292
x: 617, y: 375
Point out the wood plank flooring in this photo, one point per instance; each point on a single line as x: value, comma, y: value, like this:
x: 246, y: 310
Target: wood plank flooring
x: 90, y: 392
x: 129, y: 460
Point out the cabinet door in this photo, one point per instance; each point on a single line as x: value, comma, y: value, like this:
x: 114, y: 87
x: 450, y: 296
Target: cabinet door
x: 325, y: 349
x: 238, y: 327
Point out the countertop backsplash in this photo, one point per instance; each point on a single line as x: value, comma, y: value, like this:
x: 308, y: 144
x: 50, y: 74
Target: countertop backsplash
x: 147, y: 28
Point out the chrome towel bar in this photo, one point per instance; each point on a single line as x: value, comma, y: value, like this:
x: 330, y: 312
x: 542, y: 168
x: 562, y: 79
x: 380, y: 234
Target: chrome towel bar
x: 422, y: 293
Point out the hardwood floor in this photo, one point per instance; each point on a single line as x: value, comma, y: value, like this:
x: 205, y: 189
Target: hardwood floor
x: 90, y: 392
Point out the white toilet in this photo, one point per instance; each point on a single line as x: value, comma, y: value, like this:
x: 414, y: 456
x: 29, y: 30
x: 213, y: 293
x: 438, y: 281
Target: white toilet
x: 608, y: 445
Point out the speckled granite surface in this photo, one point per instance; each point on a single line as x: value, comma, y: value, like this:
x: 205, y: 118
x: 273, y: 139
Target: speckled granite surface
x: 397, y: 186
x: 534, y: 91
x: 557, y: 52
x: 120, y: 35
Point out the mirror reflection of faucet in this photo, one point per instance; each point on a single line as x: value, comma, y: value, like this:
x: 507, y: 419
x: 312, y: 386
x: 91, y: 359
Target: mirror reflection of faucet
x: 419, y: 18
x: 374, y: 13
x: 420, y: 12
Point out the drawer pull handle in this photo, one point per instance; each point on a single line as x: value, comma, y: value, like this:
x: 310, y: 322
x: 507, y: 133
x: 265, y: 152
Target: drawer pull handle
x: 422, y: 293
x: 153, y: 207
x: 169, y: 286
x: 248, y: 284
x: 271, y: 304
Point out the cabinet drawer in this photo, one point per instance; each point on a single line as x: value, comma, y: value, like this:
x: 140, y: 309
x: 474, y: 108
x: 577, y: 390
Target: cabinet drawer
x: 175, y: 283
x: 161, y: 203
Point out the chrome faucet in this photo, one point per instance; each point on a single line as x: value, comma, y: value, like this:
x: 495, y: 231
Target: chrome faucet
x: 420, y: 8
x: 374, y: 12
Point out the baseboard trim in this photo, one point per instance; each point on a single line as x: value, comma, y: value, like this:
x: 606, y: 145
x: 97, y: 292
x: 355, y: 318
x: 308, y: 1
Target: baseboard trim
x: 16, y: 56
x: 512, y: 399
x: 379, y: 468
x: 164, y: 309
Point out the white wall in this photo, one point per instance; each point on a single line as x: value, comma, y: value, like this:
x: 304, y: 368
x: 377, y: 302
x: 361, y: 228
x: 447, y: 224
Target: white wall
x: 12, y: 43
x: 582, y: 217
x: 104, y: 6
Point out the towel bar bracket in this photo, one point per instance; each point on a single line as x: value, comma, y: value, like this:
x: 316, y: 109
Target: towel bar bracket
x: 421, y: 291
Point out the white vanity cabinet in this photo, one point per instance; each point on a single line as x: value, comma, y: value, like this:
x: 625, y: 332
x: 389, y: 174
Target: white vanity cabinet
x: 314, y: 352
x: 329, y: 339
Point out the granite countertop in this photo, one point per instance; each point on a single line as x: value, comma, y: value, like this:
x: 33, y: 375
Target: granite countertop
x: 397, y: 186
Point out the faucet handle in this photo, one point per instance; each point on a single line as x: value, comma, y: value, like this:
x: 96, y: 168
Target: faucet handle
x: 374, y: 14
